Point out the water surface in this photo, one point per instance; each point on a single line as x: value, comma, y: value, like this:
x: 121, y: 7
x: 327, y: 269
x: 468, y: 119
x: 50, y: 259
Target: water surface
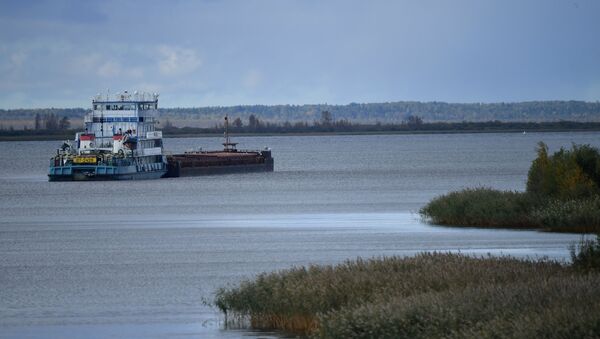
x: 138, y: 258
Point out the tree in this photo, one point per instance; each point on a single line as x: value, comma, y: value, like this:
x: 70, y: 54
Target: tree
x: 253, y: 122
x: 64, y: 123
x: 326, y: 118
x: 38, y: 121
x: 51, y: 122
x: 567, y: 174
x: 414, y: 120
x: 237, y: 123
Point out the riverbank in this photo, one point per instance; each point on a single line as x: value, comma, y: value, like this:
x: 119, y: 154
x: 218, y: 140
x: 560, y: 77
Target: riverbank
x: 351, y: 129
x: 427, y: 296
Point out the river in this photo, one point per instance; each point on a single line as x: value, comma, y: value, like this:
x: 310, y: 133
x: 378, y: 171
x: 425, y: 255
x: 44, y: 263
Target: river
x: 138, y: 259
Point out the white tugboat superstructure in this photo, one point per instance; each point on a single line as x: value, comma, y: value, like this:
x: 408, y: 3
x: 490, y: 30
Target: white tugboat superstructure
x: 120, y: 142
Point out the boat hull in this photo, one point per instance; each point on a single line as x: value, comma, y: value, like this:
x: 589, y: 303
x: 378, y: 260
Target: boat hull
x: 175, y: 171
x: 210, y: 163
x: 102, y: 173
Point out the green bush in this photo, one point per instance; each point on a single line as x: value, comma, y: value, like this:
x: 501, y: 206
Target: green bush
x: 566, y: 174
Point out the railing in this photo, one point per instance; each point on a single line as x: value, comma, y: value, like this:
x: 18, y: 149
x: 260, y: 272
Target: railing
x: 125, y: 96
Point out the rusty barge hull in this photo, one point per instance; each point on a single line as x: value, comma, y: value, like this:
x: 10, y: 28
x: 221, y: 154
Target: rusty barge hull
x: 218, y: 162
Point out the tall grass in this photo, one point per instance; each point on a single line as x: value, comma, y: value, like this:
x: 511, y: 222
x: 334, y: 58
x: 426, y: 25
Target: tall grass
x: 342, y: 300
x: 485, y: 207
x: 586, y: 255
x: 481, y: 206
x: 573, y: 215
x: 543, y: 307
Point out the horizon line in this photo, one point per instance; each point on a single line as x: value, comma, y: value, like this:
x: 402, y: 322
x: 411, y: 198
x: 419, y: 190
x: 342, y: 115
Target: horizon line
x: 327, y: 104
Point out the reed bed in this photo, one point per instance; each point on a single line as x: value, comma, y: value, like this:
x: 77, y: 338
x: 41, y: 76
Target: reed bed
x: 485, y: 207
x: 482, y: 207
x: 425, y: 295
x: 586, y: 255
x: 573, y: 215
x: 556, y: 307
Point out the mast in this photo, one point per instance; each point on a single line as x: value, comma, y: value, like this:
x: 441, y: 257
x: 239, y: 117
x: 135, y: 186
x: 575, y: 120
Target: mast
x: 102, y: 128
x: 226, y: 130
x: 229, y: 146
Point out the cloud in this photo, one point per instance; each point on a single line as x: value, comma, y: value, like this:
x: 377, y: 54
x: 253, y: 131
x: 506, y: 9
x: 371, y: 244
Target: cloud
x: 298, y: 51
x: 177, y: 60
x: 108, y: 69
x: 17, y: 58
x: 105, y: 67
x: 252, y: 79
x: 11, y: 62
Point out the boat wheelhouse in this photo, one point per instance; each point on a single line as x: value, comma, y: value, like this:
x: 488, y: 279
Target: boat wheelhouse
x: 120, y: 142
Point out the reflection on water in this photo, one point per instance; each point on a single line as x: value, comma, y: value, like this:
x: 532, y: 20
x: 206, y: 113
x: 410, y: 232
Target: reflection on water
x: 136, y: 259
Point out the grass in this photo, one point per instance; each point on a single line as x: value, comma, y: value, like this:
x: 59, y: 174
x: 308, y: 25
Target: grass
x: 586, y: 255
x: 485, y: 207
x: 429, y: 295
x: 543, y: 307
x: 481, y: 206
x: 573, y: 215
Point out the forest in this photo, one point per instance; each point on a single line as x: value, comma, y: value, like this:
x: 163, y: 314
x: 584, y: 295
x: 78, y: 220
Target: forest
x: 361, y: 113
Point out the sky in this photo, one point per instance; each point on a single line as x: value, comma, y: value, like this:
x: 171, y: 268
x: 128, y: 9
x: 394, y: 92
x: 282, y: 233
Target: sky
x: 60, y: 53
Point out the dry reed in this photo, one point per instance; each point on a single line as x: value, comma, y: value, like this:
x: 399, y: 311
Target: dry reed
x: 364, y: 298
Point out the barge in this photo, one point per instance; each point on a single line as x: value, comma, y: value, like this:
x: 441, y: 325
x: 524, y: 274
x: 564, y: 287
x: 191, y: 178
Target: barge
x: 228, y: 160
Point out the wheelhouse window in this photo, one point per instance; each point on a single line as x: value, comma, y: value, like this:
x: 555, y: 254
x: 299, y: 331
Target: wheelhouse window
x: 147, y: 106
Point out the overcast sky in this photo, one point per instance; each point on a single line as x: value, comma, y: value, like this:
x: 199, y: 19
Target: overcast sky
x: 203, y: 53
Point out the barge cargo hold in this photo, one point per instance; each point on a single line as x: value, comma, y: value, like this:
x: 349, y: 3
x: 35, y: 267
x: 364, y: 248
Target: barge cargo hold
x: 229, y: 160
x: 218, y: 162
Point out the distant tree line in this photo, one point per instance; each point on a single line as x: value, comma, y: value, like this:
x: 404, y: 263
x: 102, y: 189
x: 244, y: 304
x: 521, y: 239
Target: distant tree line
x: 389, y: 112
x: 51, y: 122
x: 395, y: 112
x: 24, y: 113
x: 51, y: 127
x: 412, y: 123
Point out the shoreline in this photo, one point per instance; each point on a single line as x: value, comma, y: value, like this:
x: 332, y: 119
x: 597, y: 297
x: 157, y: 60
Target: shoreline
x: 68, y: 136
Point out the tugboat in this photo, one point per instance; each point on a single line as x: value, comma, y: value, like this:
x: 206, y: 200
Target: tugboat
x: 120, y: 142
